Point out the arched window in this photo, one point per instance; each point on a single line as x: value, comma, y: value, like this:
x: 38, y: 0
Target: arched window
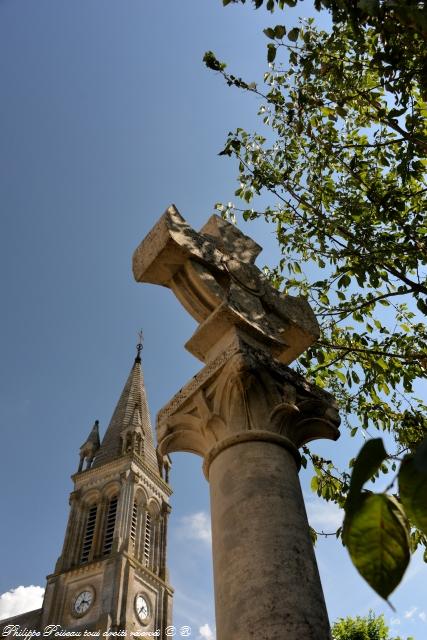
x: 89, y: 533
x: 109, y: 526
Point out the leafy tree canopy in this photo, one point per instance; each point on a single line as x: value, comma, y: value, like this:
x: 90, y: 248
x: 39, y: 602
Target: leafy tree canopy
x: 369, y: 627
x: 342, y: 155
x: 401, y: 25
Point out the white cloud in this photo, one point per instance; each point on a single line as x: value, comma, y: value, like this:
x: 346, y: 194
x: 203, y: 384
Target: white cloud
x: 394, y: 621
x: 409, y: 614
x: 423, y: 616
x: 323, y: 516
x: 20, y: 600
x: 206, y: 632
x: 197, y: 526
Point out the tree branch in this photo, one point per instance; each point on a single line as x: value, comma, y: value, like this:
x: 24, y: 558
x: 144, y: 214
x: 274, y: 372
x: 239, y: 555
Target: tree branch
x: 375, y: 352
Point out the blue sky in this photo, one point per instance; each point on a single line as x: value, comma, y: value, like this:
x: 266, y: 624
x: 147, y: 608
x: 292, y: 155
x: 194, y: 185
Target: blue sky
x: 107, y: 115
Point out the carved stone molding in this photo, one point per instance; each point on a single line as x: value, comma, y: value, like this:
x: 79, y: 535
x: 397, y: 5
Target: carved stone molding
x: 248, y: 393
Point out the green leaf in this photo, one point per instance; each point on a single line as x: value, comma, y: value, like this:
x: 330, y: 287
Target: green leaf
x: 279, y: 31
x: 382, y: 363
x: 367, y: 463
x: 422, y: 306
x: 344, y: 281
x: 377, y: 538
x: 413, y: 487
x: 385, y: 388
x: 293, y: 34
x: 270, y: 33
x: 211, y: 62
x: 355, y: 377
x: 313, y: 535
x: 271, y: 52
x: 340, y: 376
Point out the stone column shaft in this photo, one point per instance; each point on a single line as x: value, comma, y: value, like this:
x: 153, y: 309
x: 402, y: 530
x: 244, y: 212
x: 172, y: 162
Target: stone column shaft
x: 267, y: 585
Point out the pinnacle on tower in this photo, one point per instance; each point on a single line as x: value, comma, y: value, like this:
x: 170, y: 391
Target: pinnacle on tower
x: 90, y: 447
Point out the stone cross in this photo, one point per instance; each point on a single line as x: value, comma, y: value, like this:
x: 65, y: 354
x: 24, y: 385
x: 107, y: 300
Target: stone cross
x: 213, y: 275
x: 246, y: 413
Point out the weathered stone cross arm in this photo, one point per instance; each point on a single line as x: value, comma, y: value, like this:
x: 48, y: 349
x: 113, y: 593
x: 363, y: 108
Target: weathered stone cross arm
x: 213, y: 275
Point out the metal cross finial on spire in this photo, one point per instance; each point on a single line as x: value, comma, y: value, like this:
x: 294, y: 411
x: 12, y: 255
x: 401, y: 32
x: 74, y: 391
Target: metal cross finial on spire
x: 139, y: 346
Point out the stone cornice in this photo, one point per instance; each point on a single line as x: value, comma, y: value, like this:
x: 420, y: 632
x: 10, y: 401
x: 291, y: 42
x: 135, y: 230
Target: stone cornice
x: 89, y: 567
x: 110, y: 469
x: 96, y: 565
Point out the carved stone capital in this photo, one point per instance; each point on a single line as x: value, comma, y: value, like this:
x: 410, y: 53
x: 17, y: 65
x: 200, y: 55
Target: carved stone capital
x: 245, y: 394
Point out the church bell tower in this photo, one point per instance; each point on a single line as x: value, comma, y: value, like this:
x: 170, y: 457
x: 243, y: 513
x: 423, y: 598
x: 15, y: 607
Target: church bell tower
x: 112, y: 573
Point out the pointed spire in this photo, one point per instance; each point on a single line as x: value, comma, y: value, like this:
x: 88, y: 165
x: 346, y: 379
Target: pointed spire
x: 130, y: 426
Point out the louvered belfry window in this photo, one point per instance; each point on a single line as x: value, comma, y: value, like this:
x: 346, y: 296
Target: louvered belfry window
x: 134, y: 523
x: 89, y: 532
x: 109, y: 526
x: 147, y: 539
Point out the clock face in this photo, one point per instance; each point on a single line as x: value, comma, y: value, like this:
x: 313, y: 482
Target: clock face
x: 83, y: 602
x: 142, y: 608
